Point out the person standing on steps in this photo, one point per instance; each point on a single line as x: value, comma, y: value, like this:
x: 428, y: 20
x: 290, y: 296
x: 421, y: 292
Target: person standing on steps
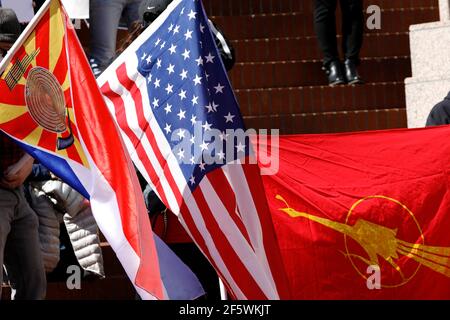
x: 104, y: 19
x: 20, y: 250
x: 352, y: 39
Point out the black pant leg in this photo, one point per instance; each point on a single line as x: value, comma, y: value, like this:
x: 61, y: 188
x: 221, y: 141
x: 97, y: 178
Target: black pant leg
x: 325, y: 26
x: 352, y: 28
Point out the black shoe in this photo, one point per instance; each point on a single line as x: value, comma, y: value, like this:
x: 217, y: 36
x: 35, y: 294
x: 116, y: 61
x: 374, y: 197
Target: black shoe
x: 351, y: 73
x: 335, y: 74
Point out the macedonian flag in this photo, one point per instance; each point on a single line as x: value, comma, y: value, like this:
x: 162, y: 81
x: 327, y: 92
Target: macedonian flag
x: 34, y: 77
x: 364, y: 215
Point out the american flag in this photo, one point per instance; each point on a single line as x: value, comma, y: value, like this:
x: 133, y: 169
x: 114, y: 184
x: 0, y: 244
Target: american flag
x: 176, y: 110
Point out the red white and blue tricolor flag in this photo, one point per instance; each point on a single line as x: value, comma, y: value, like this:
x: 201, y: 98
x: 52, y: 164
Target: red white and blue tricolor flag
x: 175, y: 107
x: 51, y: 105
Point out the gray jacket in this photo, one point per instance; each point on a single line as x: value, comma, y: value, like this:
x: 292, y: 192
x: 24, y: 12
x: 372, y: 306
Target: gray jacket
x: 54, y: 201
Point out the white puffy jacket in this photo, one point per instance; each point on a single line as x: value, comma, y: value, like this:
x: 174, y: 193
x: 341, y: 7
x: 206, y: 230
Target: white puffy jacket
x: 54, y: 201
x: 48, y: 227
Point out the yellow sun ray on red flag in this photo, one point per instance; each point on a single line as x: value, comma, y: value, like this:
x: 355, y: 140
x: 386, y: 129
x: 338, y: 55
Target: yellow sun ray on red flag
x: 36, y: 99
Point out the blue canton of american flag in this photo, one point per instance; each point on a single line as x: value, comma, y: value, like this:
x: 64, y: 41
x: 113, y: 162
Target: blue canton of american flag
x: 190, y: 92
x: 173, y: 103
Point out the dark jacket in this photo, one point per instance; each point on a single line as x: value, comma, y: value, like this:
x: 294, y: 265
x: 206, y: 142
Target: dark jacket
x: 39, y: 4
x: 440, y: 114
x: 226, y: 50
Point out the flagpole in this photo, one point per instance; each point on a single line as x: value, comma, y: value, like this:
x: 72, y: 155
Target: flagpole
x: 223, y: 290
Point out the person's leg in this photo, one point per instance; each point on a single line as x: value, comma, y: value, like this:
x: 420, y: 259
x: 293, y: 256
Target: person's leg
x: 325, y: 27
x: 352, y: 37
x: 104, y: 21
x: 7, y: 203
x: 132, y: 11
x: 352, y: 28
x: 23, y: 257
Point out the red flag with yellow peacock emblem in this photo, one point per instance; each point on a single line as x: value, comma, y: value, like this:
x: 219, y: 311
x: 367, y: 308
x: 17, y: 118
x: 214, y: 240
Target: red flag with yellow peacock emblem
x: 364, y: 215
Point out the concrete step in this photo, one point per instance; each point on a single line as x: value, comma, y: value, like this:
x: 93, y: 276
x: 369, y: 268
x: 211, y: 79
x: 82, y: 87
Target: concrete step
x: 330, y: 122
x: 247, y: 7
x: 252, y: 75
x: 306, y: 48
x: 300, y: 24
x: 319, y: 99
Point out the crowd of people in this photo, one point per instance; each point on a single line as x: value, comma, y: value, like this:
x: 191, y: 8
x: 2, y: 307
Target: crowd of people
x: 33, y: 202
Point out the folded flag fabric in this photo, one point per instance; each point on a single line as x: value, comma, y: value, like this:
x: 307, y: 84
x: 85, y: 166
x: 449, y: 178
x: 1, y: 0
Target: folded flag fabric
x: 364, y: 215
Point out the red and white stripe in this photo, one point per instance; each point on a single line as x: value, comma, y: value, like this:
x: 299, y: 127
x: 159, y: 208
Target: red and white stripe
x: 111, y: 181
x: 222, y: 215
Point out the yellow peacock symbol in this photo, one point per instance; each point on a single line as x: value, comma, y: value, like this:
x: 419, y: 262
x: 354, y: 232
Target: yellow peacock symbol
x: 380, y: 241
